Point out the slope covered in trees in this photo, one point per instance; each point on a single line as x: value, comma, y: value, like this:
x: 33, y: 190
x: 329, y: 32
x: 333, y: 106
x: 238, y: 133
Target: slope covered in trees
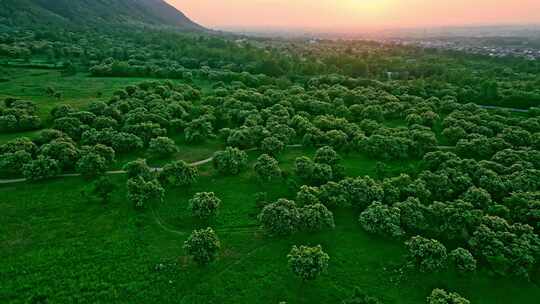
x: 95, y: 13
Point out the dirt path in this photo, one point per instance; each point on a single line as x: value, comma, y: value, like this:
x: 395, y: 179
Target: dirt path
x: 194, y: 164
x: 505, y: 108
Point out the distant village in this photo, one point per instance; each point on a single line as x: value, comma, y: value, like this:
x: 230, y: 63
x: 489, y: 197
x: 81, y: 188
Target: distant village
x: 473, y: 47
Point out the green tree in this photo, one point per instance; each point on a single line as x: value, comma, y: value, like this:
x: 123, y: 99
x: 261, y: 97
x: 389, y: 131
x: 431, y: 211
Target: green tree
x: 91, y: 165
x: 272, y: 146
x: 382, y: 219
x: 267, y: 168
x: 462, y: 260
x: 316, y: 217
x: 64, y: 151
x: 308, y: 195
x: 204, y: 205
x: 203, y: 245
x: 440, y: 296
x: 280, y: 218
x: 162, y: 147
x: 308, y: 263
x: 179, y: 173
x: 41, y: 168
x: 141, y: 192
x: 231, y: 161
x: 426, y: 255
x: 360, y: 297
x: 137, y: 168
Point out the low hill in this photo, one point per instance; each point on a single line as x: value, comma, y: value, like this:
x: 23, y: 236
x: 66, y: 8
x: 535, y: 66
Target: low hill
x: 92, y: 12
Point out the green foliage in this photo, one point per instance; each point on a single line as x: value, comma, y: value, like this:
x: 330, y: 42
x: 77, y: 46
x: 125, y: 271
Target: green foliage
x: 198, y: 130
x: 507, y: 249
x: 308, y: 263
x: 231, y: 161
x: 280, y: 218
x: 267, y: 168
x: 359, y: 297
x: 64, y: 151
x: 41, y: 168
x: 204, y: 205
x: 137, y: 168
x: 141, y: 192
x: 440, y: 296
x: 382, y: 219
x: 162, y: 147
x: 13, y: 162
x: 479, y: 197
x: 203, y: 245
x: 462, y: 260
x: 426, y: 255
x: 91, y: 165
x: 272, y: 146
x: 316, y: 217
x: 179, y: 174
x: 102, y: 188
x: 308, y: 195
x: 327, y: 155
x: 312, y: 172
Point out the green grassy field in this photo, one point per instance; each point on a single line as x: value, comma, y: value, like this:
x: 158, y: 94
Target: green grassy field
x: 57, y: 245
x: 77, y: 90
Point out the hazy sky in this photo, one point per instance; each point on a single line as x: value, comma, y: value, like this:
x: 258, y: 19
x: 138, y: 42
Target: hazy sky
x: 357, y: 14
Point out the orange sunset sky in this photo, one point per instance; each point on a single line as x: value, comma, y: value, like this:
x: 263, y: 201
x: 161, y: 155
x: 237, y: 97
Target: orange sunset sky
x: 357, y: 14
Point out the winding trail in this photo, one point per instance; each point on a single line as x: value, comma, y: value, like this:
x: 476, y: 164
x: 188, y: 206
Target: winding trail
x: 116, y: 172
x: 505, y: 108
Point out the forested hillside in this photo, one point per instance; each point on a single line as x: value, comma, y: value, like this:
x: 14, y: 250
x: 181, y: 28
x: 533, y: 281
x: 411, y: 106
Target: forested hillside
x: 95, y: 13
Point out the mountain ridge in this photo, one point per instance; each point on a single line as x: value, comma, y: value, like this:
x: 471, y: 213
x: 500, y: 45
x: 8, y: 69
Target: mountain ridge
x: 89, y: 12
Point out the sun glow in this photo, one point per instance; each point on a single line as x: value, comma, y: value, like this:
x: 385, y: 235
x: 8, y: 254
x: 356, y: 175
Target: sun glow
x: 357, y: 14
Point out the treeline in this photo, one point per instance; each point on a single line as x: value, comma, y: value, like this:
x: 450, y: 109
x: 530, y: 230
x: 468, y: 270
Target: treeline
x: 510, y: 82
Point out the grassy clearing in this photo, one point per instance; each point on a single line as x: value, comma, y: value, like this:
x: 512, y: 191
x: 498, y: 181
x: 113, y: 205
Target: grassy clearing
x: 77, y: 90
x: 57, y: 245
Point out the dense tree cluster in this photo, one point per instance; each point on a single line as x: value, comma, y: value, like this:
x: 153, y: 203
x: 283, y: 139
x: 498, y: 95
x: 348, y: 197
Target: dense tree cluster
x: 284, y: 217
x: 18, y: 115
